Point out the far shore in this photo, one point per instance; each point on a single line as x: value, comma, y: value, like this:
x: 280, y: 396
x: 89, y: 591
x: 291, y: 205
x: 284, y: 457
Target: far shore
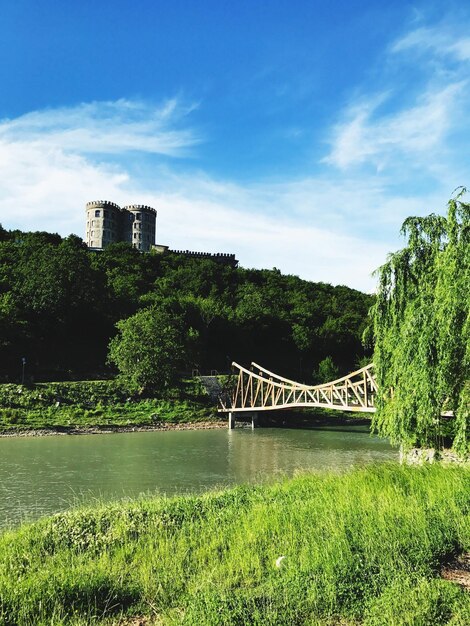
x: 109, y: 429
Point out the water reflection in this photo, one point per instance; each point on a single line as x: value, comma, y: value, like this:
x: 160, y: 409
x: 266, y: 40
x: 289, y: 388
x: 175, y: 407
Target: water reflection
x: 265, y: 452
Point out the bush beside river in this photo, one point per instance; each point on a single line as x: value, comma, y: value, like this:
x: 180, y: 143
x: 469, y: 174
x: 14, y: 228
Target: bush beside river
x: 361, y: 548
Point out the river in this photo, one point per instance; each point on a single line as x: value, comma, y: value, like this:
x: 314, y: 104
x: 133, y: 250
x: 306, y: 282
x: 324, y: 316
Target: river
x: 43, y: 475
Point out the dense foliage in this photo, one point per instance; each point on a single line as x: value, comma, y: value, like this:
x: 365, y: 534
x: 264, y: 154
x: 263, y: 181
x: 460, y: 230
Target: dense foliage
x: 148, y: 349
x: 421, y: 324
x: 362, y: 548
x: 60, y: 303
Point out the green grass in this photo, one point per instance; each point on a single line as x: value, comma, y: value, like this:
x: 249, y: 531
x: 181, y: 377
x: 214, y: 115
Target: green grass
x: 87, y: 404
x: 360, y: 548
x: 134, y: 413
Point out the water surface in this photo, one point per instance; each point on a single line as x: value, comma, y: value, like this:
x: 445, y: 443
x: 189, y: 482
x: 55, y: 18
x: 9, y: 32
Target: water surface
x: 42, y: 475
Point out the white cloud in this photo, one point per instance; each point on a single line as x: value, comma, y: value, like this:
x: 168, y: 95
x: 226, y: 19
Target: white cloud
x: 43, y: 188
x: 438, y: 40
x: 105, y: 128
x: 52, y: 161
x: 295, y: 246
x: 49, y: 192
x: 411, y: 134
x: 422, y: 107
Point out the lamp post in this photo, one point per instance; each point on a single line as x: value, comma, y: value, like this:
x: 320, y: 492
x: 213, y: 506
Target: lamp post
x: 23, y: 362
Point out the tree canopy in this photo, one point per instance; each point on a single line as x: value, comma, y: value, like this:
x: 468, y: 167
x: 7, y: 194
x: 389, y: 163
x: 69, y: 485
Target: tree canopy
x: 148, y: 349
x: 60, y: 303
x: 421, y: 327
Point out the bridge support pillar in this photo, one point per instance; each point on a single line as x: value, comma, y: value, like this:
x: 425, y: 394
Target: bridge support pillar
x: 254, y: 420
x: 231, y: 420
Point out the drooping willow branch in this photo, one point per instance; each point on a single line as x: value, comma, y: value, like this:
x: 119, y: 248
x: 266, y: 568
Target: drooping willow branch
x: 421, y: 327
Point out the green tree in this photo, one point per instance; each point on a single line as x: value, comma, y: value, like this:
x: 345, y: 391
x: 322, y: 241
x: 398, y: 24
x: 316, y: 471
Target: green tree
x: 54, y: 299
x: 148, y: 349
x: 327, y: 370
x: 421, y: 326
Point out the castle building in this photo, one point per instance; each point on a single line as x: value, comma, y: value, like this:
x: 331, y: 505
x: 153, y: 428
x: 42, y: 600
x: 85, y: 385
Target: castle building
x: 106, y: 223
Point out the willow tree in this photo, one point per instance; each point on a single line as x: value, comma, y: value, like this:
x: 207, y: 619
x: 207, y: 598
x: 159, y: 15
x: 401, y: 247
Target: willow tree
x: 421, y: 326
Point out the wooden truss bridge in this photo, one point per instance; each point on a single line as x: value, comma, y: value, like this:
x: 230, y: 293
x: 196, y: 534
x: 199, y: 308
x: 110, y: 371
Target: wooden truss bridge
x: 258, y: 389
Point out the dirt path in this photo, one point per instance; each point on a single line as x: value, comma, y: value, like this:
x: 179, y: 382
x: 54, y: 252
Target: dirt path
x: 458, y: 571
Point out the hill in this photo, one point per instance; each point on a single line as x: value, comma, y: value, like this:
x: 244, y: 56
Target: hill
x: 60, y: 302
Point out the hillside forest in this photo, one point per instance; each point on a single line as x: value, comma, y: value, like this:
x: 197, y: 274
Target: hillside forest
x: 65, y: 312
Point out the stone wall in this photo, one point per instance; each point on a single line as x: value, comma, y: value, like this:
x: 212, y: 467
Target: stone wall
x: 421, y: 456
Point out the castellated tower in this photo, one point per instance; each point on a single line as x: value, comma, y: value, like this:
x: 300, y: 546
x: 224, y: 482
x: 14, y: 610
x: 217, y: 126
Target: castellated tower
x: 139, y: 226
x: 107, y: 223
x: 103, y: 223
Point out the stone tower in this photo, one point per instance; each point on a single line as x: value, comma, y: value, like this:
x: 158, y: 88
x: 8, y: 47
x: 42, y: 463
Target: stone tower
x: 107, y: 223
x: 103, y: 223
x: 139, y: 223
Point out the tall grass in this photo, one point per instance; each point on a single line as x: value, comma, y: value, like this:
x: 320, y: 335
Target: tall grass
x: 361, y: 548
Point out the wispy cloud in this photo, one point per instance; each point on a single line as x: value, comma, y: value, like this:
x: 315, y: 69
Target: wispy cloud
x: 286, y: 226
x: 410, y: 133
x: 423, y: 103
x: 107, y: 128
x: 43, y: 189
x: 306, y: 247
x: 50, y: 160
x: 438, y: 40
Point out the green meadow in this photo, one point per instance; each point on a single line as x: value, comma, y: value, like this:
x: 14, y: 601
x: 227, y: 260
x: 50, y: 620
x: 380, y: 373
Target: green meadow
x: 365, y: 547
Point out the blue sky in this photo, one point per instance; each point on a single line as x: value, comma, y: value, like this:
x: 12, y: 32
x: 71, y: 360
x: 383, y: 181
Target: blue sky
x: 296, y: 134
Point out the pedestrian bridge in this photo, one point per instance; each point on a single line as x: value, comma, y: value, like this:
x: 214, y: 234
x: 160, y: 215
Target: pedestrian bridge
x: 257, y: 389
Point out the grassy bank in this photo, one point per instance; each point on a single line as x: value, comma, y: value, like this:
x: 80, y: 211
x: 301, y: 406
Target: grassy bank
x: 104, y: 404
x: 361, y: 548
x: 88, y: 404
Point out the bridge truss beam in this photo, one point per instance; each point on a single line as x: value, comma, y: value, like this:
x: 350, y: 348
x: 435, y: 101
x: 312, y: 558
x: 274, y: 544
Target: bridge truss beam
x: 258, y: 389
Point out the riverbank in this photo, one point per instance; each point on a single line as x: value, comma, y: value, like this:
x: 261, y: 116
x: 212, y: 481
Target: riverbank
x: 364, y: 548
x: 216, y: 422
x: 111, y: 429
x: 99, y: 407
